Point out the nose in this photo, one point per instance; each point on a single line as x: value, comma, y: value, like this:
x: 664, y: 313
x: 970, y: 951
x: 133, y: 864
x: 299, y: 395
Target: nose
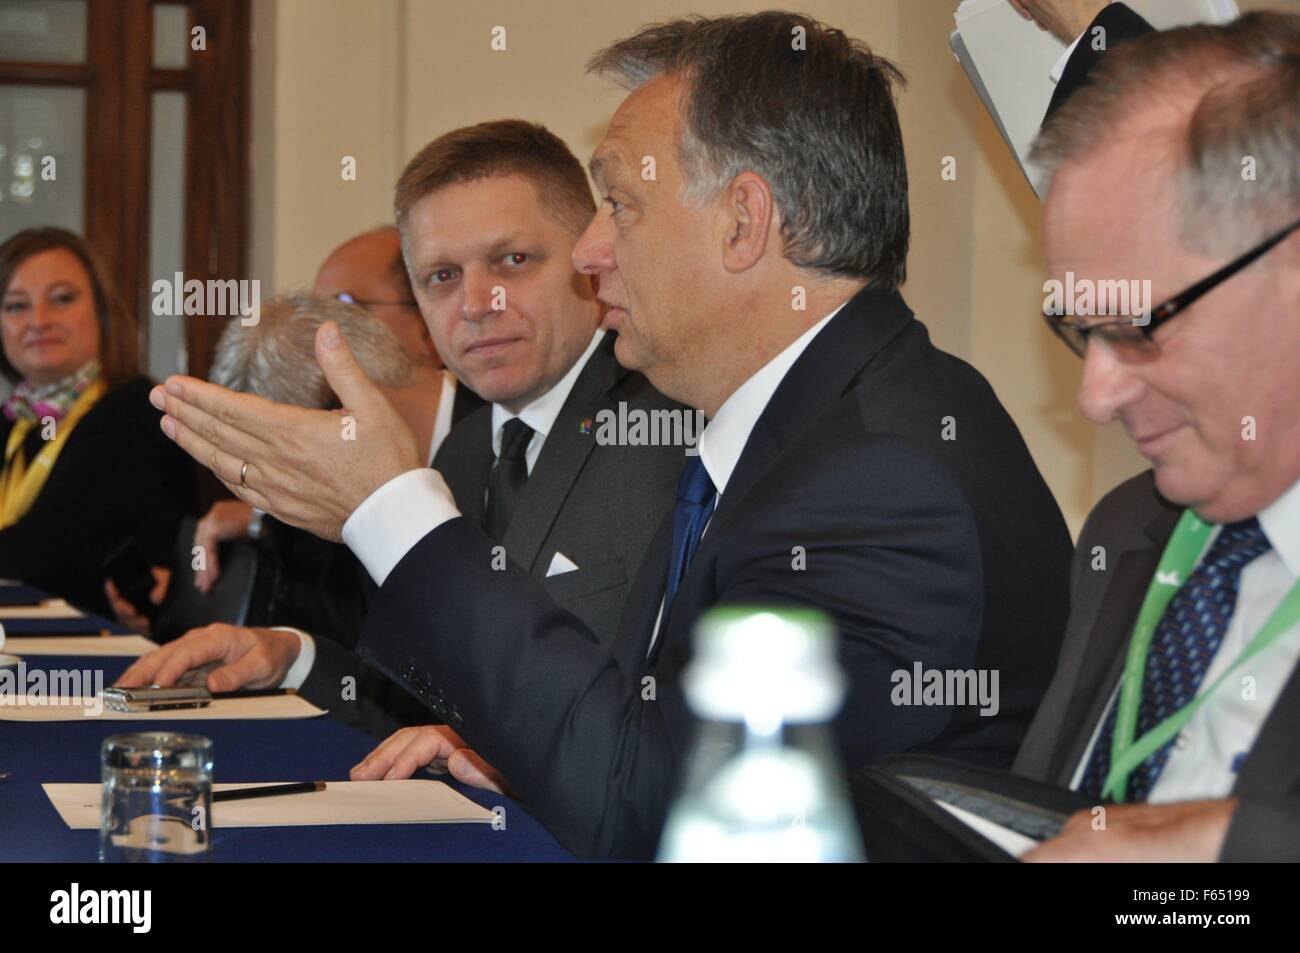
x: 594, y: 252
x: 476, y: 300
x: 1108, y: 384
x: 42, y: 313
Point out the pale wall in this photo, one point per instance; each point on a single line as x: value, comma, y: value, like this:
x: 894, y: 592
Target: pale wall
x: 376, y: 79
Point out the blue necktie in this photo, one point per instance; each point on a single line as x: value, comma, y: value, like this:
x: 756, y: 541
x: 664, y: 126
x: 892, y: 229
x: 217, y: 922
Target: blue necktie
x: 1182, y: 649
x: 695, y: 501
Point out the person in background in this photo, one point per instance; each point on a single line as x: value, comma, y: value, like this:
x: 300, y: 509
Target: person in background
x: 303, y: 581
x: 84, y: 467
x: 367, y: 270
x: 1089, y: 28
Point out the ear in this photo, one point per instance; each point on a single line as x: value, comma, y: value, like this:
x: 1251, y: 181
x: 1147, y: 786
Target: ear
x: 748, y: 214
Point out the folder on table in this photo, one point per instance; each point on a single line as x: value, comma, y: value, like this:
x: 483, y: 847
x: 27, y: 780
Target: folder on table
x: 925, y: 808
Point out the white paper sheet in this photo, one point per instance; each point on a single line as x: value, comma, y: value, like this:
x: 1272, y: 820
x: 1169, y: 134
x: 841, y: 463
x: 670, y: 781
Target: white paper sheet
x: 115, y: 645
x: 1013, y: 842
x: 49, y: 609
x: 84, y: 708
x: 412, y: 801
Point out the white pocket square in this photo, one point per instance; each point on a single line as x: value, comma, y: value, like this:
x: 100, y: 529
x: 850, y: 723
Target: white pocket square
x: 560, y: 564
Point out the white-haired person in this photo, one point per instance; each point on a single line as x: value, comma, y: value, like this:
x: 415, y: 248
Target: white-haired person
x: 302, y: 581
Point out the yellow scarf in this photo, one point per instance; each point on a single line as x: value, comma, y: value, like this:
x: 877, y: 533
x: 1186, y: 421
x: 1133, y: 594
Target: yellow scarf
x: 20, y: 484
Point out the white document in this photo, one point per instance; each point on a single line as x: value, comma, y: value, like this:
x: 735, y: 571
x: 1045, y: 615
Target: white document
x: 560, y: 564
x: 1009, y: 60
x: 73, y: 708
x: 113, y: 645
x: 48, y: 609
x: 412, y: 801
x: 1013, y: 842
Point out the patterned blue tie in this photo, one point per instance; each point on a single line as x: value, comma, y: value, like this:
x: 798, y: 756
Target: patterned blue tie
x: 696, y: 498
x: 1182, y: 649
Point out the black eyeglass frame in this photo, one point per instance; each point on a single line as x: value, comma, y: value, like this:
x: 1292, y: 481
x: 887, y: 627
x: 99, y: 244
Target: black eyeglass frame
x: 1062, y: 326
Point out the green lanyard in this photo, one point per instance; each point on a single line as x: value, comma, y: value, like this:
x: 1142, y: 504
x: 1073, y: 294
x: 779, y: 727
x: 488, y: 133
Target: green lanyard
x: 1176, y: 564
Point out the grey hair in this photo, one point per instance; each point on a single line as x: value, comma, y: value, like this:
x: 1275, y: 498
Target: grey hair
x: 276, y: 358
x: 800, y: 104
x: 1239, y: 85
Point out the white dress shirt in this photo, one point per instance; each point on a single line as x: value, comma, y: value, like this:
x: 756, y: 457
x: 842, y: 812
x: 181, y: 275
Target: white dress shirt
x: 1059, y: 68
x: 442, y: 423
x: 725, y: 436
x: 1206, y: 754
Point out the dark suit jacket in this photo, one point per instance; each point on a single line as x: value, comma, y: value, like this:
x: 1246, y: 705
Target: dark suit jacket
x: 598, y: 505
x: 1133, y: 523
x: 118, y: 477
x: 308, y: 583
x: 464, y: 404
x: 1120, y: 24
x: 947, y: 552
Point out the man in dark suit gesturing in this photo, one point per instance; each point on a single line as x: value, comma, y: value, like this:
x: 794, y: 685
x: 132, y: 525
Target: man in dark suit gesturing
x: 751, y: 239
x: 497, y: 206
x: 1178, y: 691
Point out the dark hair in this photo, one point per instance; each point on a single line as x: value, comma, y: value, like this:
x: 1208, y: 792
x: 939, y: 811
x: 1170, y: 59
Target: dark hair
x: 118, y: 342
x: 802, y: 105
x: 502, y: 147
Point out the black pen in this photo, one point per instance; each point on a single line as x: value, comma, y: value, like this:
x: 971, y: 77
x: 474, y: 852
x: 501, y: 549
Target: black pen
x: 255, y: 693
x: 268, y: 790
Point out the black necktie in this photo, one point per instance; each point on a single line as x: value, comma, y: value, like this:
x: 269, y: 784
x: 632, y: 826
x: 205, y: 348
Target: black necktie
x: 506, y: 484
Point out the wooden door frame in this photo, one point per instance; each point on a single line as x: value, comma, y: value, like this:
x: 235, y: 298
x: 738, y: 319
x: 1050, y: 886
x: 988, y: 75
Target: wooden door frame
x: 119, y: 80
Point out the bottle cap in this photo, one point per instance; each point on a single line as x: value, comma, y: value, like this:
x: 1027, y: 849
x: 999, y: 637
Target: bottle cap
x: 765, y: 667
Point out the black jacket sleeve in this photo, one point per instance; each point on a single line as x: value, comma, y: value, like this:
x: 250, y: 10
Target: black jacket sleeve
x: 1263, y: 828
x: 356, y: 693
x: 1118, y: 24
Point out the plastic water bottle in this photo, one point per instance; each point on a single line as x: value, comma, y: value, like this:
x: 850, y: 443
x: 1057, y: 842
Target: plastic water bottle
x: 763, y: 781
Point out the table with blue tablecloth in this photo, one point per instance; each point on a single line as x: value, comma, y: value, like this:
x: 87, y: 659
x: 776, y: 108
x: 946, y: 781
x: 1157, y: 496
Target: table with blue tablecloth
x: 307, y: 749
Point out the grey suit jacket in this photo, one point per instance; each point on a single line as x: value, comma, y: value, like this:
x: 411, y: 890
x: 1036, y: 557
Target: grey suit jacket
x: 1132, y: 524
x: 599, y: 505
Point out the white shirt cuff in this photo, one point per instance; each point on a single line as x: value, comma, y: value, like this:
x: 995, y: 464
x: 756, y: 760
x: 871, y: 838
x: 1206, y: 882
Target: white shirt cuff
x: 1059, y: 68
x: 390, y: 521
x: 300, y: 669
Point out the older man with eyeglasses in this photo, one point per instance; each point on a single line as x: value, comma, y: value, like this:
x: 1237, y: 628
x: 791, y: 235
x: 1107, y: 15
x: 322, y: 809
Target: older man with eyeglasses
x: 1178, y: 689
